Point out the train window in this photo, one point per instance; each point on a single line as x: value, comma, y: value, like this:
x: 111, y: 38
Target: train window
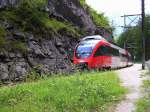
x: 106, y: 51
x: 124, y: 56
x: 115, y: 52
x: 103, y: 51
x: 99, y: 52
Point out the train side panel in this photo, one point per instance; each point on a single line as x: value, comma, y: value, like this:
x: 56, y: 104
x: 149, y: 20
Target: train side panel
x: 115, y: 62
x: 102, y: 55
x: 101, y: 62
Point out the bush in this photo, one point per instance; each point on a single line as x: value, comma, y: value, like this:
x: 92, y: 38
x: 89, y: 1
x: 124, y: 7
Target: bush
x: 143, y: 104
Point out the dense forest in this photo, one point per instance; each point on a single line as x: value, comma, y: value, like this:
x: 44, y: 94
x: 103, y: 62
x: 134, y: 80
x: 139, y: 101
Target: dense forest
x: 132, y: 40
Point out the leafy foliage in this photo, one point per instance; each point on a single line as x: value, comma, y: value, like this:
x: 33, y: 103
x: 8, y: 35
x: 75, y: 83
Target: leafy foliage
x: 99, y: 19
x: 82, y: 2
x: 143, y: 104
x: 78, y: 93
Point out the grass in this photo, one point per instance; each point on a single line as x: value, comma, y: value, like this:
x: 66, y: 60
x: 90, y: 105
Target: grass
x: 82, y: 2
x: 2, y: 31
x: 58, y: 25
x: 31, y: 16
x: 8, y: 45
x: 88, y: 92
x: 18, y: 46
x: 143, y: 104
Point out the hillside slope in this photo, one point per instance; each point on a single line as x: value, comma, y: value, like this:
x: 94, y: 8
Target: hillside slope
x: 36, y: 36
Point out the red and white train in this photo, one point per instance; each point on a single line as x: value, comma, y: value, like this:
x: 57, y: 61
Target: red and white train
x: 95, y: 52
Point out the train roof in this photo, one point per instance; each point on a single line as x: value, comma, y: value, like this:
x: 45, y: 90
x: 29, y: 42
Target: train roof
x: 94, y: 37
x: 89, y: 42
x: 121, y: 50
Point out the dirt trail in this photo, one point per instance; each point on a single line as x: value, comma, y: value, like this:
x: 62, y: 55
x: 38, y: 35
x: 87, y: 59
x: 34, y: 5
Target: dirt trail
x: 132, y: 80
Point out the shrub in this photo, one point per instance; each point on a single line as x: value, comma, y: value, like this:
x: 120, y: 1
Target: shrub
x: 2, y: 32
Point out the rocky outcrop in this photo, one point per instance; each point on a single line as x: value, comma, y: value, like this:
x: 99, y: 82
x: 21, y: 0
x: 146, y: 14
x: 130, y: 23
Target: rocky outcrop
x: 5, y: 3
x: 13, y: 66
x: 72, y: 11
x: 43, y: 55
x: 69, y: 10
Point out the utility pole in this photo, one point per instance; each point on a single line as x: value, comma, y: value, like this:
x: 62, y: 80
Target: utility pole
x: 124, y: 21
x: 129, y: 25
x: 143, y: 33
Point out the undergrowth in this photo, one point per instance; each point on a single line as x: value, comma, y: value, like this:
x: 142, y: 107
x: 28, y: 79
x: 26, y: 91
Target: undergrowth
x: 143, y: 104
x: 31, y: 16
x: 9, y: 45
x: 86, y: 92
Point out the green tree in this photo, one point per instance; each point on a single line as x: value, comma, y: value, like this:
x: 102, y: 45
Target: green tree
x: 133, y: 35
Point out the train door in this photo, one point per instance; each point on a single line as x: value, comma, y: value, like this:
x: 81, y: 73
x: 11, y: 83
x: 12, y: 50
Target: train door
x: 107, y: 56
x: 98, y: 58
x: 102, y: 58
x: 124, y: 59
x: 115, y: 61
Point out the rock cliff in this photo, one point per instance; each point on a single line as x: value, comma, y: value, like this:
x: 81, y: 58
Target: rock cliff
x: 44, y: 51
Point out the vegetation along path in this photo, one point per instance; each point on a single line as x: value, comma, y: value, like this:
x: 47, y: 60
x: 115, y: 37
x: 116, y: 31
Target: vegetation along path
x: 131, y: 79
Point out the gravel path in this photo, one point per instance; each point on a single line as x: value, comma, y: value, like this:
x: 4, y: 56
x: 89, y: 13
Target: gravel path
x: 131, y: 79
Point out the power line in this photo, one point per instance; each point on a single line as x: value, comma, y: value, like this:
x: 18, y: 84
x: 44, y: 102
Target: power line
x: 142, y: 15
x: 130, y: 20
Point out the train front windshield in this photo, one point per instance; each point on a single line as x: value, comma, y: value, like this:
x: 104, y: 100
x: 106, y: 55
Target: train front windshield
x: 83, y: 52
x: 84, y: 49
